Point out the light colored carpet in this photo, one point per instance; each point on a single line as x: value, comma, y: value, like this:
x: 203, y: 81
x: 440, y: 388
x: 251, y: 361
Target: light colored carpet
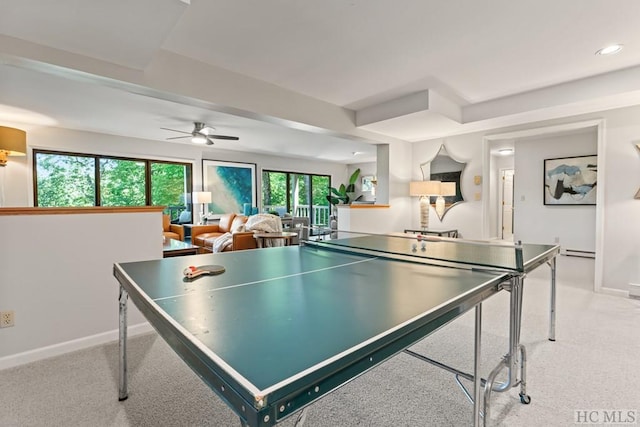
x: 593, y: 365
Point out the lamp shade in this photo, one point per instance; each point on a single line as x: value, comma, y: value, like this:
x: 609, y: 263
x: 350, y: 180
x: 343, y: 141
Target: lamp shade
x: 201, y: 197
x: 13, y: 142
x: 448, y: 189
x: 424, y: 188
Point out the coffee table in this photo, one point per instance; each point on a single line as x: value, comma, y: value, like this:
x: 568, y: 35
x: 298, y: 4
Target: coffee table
x: 447, y: 233
x: 286, y: 236
x: 173, y: 247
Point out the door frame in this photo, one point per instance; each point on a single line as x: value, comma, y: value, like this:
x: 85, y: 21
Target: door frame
x: 501, y: 203
x: 599, y: 125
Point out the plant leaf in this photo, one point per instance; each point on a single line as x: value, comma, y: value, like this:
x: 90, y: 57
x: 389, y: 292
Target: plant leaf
x: 334, y: 191
x: 333, y: 200
x: 354, y: 177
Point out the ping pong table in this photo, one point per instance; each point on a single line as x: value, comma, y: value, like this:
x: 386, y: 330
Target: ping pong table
x: 282, y: 327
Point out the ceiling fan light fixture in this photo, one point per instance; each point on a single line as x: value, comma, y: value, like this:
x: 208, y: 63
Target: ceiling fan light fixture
x: 199, y: 139
x: 610, y: 50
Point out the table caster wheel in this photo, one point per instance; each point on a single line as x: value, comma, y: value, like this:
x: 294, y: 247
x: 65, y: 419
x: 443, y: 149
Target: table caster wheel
x: 525, y: 399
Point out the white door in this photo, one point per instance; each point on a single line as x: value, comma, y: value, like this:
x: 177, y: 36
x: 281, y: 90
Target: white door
x: 507, y: 204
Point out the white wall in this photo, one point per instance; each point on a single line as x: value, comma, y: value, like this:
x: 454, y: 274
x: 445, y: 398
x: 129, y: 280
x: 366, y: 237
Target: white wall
x: 571, y: 226
x: 56, y: 274
x: 19, y: 186
x: 621, y: 166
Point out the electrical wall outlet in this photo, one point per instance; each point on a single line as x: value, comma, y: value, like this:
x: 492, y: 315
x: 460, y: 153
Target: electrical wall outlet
x: 7, y: 319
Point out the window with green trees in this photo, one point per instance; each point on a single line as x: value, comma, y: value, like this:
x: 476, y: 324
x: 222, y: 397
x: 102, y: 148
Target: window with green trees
x: 73, y: 179
x: 297, y: 194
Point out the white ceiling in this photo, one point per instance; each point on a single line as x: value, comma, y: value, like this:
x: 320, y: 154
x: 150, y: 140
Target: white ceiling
x: 412, y: 70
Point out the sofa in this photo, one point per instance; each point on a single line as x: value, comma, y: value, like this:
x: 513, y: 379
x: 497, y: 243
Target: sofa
x: 171, y: 231
x: 205, y: 236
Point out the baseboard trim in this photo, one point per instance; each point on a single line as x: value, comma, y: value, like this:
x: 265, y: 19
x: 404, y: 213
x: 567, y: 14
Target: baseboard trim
x: 614, y: 292
x: 69, y: 346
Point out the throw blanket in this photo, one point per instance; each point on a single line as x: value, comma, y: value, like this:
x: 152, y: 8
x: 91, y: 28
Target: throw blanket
x: 265, y: 223
x: 222, y: 242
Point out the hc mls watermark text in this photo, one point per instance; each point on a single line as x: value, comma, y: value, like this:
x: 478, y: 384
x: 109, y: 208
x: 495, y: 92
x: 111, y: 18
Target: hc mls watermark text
x: 606, y: 416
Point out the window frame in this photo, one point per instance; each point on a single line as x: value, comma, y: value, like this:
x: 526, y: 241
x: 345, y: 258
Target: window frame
x: 96, y: 164
x: 288, y: 175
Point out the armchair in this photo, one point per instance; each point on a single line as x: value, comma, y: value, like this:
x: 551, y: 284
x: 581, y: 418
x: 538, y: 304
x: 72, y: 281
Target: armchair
x: 171, y: 231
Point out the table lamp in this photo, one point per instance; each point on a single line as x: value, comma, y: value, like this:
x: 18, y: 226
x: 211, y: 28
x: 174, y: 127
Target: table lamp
x: 446, y: 189
x: 201, y: 197
x: 424, y: 189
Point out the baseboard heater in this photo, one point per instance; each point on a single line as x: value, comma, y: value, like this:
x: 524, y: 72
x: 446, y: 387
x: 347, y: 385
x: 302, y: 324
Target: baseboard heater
x: 578, y: 253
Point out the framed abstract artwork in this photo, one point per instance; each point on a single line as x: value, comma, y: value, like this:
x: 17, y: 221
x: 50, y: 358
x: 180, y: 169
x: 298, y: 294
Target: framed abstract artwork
x: 231, y: 185
x: 368, y: 183
x: 570, y: 180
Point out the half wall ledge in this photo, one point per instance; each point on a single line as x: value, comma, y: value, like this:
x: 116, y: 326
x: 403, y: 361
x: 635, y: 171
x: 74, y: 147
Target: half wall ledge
x: 79, y: 210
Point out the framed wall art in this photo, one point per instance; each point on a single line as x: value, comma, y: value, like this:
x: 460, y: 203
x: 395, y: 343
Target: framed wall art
x: 570, y: 180
x: 231, y: 185
x: 368, y: 183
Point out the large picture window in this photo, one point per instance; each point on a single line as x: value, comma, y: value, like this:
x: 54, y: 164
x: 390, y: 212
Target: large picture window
x: 73, y: 179
x: 297, y: 194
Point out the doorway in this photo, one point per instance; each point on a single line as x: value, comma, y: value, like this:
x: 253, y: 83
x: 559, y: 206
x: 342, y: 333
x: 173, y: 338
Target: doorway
x: 491, y: 208
x: 507, y: 176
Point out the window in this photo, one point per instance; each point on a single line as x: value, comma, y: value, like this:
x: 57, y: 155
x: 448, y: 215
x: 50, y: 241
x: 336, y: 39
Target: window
x: 71, y: 179
x: 64, y: 180
x: 122, y: 183
x: 299, y: 194
x: 169, y: 183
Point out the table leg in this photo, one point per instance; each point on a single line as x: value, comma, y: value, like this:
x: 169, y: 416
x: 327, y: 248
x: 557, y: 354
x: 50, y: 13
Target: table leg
x: 122, y: 342
x: 477, y: 380
x: 516, y: 350
x: 552, y: 310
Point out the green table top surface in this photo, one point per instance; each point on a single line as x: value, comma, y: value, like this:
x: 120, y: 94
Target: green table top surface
x: 279, y: 314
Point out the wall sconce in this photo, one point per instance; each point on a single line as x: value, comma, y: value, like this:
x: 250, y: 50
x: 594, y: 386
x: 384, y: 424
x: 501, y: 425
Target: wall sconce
x: 446, y: 189
x: 201, y: 197
x: 424, y: 189
x: 13, y: 142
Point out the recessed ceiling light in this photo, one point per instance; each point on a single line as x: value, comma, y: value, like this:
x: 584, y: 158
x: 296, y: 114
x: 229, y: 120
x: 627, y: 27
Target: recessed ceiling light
x: 355, y: 153
x: 610, y: 50
x: 505, y: 151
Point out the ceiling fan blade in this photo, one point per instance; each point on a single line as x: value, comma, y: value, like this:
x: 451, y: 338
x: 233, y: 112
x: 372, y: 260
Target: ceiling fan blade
x: 179, y: 137
x: 227, y: 137
x: 210, y: 142
x: 175, y: 130
x: 206, y: 130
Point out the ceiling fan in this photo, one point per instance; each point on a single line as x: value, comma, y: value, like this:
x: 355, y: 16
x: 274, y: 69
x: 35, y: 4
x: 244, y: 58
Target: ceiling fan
x: 201, y: 134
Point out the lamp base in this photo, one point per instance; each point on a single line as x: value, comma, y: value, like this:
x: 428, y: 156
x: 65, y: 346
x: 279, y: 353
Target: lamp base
x: 440, y: 206
x: 424, y: 212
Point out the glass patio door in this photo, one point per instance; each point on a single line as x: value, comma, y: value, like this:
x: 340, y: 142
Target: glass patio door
x: 297, y: 194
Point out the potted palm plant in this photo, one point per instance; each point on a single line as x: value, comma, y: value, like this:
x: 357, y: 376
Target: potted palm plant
x: 342, y: 195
